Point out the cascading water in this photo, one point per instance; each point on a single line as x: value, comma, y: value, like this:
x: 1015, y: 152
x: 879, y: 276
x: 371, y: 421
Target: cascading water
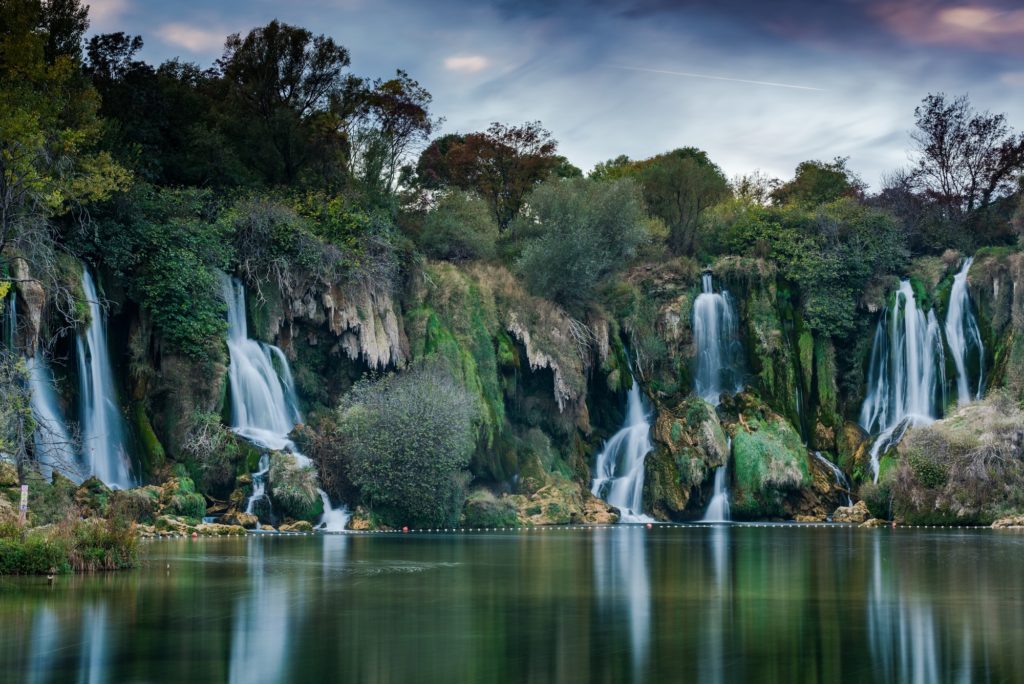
x: 906, y: 376
x: 264, y: 406
x: 719, y: 353
x: 10, y: 320
x: 53, y: 445
x: 103, y: 430
x: 964, y: 338
x: 619, y: 476
x: 718, y: 509
x: 838, y: 474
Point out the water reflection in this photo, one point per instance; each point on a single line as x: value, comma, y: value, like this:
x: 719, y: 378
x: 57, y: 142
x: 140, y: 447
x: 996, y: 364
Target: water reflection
x: 260, y: 629
x: 694, y: 604
x: 623, y: 587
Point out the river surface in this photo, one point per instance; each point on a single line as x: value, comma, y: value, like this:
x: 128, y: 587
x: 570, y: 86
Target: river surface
x: 672, y: 604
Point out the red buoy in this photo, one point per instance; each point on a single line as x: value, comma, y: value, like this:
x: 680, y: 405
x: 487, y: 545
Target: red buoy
x: 195, y: 534
x: 405, y: 529
x: 649, y: 526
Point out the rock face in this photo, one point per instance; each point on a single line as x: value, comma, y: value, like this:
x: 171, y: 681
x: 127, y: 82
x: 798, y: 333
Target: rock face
x: 242, y: 519
x: 856, y: 513
x: 365, y: 320
x: 561, y: 503
x: 689, y: 444
x: 34, y: 297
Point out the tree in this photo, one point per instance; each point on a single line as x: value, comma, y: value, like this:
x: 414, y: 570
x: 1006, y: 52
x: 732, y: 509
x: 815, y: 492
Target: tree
x: 579, y: 232
x: 49, y: 167
x: 816, y: 183
x: 284, y: 76
x: 503, y: 165
x: 405, y: 441
x: 385, y: 121
x: 965, y: 159
x: 460, y: 227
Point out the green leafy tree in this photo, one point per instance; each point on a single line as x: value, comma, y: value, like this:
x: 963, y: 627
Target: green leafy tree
x: 579, y: 232
x: 405, y: 442
x: 460, y: 227
x: 503, y: 165
x: 816, y: 183
x: 285, y: 78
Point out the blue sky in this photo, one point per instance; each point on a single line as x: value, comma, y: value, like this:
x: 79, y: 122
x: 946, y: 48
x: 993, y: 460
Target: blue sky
x: 612, y: 77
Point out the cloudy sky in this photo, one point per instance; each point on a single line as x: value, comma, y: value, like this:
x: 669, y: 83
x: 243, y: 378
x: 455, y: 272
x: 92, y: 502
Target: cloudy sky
x: 759, y: 84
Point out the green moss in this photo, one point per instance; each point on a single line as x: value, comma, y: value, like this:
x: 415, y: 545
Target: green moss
x: 483, y: 509
x: 769, y: 462
x: 153, y: 455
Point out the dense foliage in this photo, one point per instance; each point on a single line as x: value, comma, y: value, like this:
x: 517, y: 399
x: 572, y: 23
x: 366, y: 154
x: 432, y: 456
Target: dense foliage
x: 406, y: 442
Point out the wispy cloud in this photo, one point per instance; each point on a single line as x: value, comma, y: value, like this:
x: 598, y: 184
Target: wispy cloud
x: 467, y: 64
x: 718, y: 78
x: 191, y: 38
x: 104, y: 14
x: 979, y: 25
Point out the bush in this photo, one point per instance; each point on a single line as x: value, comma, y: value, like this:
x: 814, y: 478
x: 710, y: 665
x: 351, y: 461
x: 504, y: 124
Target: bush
x: 214, y: 450
x: 37, y: 554
x: 579, y: 232
x: 294, y: 489
x: 79, y: 545
x: 407, y: 439
x: 460, y: 227
x: 483, y: 509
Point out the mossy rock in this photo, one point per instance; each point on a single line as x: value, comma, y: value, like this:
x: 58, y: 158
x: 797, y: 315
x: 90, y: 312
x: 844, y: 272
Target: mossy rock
x: 92, y: 496
x: 484, y: 509
x: 770, y: 463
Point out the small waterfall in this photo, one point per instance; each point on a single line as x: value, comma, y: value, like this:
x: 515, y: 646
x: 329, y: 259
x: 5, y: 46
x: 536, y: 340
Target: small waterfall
x: 906, y: 375
x: 837, y: 473
x: 716, y: 336
x: 964, y: 338
x: 264, y: 406
x: 53, y: 445
x: 718, y: 508
x: 103, y: 430
x: 619, y: 477
x: 10, y: 320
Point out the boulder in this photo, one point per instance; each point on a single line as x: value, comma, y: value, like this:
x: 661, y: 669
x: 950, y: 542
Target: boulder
x: 598, y: 512
x: 856, y: 513
x: 809, y: 518
x: 297, y: 526
x: 1009, y: 522
x: 218, y: 530
x: 241, y: 519
x: 875, y: 522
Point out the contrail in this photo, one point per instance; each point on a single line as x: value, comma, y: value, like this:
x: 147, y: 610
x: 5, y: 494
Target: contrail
x: 718, y: 78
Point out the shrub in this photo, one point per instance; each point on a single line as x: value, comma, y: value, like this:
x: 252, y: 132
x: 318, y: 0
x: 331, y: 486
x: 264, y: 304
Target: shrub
x: 460, y: 227
x: 214, y: 450
x: 407, y: 439
x: 483, y: 509
x: 294, y: 489
x: 578, y: 233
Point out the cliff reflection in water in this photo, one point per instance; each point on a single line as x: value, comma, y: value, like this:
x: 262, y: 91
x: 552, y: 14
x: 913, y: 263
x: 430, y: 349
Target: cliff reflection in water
x: 624, y: 604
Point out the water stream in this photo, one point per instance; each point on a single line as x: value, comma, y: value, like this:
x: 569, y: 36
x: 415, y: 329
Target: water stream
x: 906, y: 376
x: 54, y: 448
x: 619, y: 471
x: 719, y: 366
x: 964, y: 339
x: 264, y: 406
x: 103, y: 428
x: 841, y: 480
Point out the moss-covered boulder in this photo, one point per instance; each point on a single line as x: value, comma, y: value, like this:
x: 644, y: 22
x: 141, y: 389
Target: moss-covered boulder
x: 293, y: 489
x: 484, y: 509
x: 689, y: 445
x: 178, y: 497
x: 770, y: 464
x: 92, y: 497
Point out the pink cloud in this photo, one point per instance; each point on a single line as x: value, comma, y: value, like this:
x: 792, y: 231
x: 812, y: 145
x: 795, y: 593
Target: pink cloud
x: 978, y: 25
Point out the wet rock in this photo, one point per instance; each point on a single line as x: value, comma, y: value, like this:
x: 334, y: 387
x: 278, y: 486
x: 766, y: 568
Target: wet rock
x: 875, y: 522
x: 240, y: 518
x: 173, y: 524
x: 360, y: 520
x: 598, y: 512
x: 34, y: 296
x: 1009, y: 522
x: 558, y: 503
x: 856, y: 513
x: 297, y: 526
x: 809, y: 518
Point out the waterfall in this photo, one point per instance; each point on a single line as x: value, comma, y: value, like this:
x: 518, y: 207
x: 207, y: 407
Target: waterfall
x: 10, y: 320
x: 264, y: 406
x: 718, y: 509
x: 716, y: 336
x: 837, y: 473
x: 53, y: 445
x: 906, y: 375
x: 619, y: 477
x: 964, y: 338
x: 103, y: 430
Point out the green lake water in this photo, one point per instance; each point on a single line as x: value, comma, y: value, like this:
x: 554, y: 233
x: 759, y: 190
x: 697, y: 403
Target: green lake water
x: 672, y: 604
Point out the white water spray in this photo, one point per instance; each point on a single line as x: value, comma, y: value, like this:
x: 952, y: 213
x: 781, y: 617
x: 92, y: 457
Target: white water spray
x: 906, y: 376
x: 264, y: 406
x: 838, y: 474
x: 964, y: 338
x: 103, y: 430
x: 619, y: 472
x: 716, y: 336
